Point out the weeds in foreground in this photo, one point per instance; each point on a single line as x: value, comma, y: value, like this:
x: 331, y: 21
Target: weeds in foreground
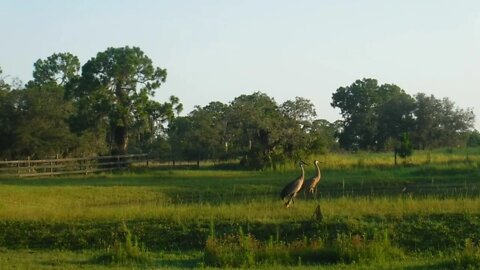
x: 124, y: 251
x: 243, y: 250
x: 468, y: 258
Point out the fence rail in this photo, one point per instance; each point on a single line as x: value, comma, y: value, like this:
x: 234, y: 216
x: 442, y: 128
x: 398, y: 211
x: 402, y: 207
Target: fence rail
x: 85, y: 165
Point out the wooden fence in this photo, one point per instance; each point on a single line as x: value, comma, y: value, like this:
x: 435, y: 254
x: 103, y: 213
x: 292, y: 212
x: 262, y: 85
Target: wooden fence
x: 46, y: 167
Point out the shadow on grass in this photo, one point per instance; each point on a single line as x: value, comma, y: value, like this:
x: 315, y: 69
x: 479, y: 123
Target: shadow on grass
x: 184, y: 260
x: 446, y: 264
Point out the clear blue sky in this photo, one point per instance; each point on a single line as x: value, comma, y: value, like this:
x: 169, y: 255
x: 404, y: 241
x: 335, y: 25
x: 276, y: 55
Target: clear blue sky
x: 218, y: 50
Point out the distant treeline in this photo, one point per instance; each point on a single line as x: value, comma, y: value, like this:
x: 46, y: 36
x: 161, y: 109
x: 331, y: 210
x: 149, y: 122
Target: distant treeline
x: 106, y: 107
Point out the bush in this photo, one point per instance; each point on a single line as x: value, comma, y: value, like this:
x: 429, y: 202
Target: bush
x: 124, y: 251
x: 236, y: 250
x: 469, y: 258
x: 239, y: 250
x: 357, y: 249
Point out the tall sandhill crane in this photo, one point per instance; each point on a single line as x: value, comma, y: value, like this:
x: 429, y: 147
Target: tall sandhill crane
x: 311, y: 184
x: 292, y: 188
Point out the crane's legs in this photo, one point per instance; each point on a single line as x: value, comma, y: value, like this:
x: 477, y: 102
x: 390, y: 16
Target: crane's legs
x: 290, y: 200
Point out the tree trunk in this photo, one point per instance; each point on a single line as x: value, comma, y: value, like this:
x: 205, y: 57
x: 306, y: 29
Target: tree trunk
x: 120, y: 140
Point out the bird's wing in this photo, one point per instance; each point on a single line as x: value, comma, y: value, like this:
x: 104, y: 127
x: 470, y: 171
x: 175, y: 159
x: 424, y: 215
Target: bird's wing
x: 285, y: 190
x: 288, y: 189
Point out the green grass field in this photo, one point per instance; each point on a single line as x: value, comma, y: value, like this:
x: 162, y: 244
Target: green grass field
x: 421, y: 214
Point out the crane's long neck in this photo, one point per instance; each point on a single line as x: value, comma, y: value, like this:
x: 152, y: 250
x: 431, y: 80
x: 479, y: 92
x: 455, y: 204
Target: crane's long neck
x: 302, y: 176
x: 318, y: 170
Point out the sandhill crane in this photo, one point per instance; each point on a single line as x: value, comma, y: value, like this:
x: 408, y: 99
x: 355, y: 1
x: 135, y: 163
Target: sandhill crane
x: 311, y: 184
x: 292, y: 188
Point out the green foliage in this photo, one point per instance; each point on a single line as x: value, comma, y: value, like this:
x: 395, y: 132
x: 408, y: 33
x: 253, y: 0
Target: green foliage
x: 372, y: 114
x: 468, y: 258
x: 253, y: 129
x: 232, y: 251
x: 58, y: 69
x: 473, y: 139
x: 437, y: 232
x: 256, y: 123
x: 116, y: 86
x: 439, y: 123
x: 405, y: 148
x: 62, y: 112
x: 8, y: 118
x: 411, y: 233
x: 240, y: 250
x: 124, y: 251
x: 42, y: 129
x: 375, y: 114
x: 34, y: 122
x: 371, y: 225
x: 200, y: 136
x: 357, y: 249
x: 360, y: 123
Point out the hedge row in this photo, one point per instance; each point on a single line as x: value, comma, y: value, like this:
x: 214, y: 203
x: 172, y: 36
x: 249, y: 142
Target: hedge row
x: 414, y: 232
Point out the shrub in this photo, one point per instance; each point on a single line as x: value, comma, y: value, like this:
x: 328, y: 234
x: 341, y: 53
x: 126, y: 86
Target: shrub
x: 237, y: 250
x: 357, y: 249
x: 468, y: 258
x: 124, y: 251
x: 240, y: 250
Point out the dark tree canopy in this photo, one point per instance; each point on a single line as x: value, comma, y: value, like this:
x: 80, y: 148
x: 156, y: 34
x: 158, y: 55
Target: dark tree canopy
x: 439, y: 122
x: 42, y: 129
x: 59, y: 68
x: 380, y: 117
x: 358, y: 104
x: 298, y: 127
x: 7, y: 117
x: 253, y: 129
x: 116, y: 86
x: 257, y: 123
x: 109, y: 107
x: 65, y: 112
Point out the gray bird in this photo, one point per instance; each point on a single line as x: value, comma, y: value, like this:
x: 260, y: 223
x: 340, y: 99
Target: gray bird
x: 292, y: 188
x: 311, y: 184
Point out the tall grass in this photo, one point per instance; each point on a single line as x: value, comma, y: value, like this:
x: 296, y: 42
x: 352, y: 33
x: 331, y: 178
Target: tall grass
x: 243, y: 250
x: 117, y: 203
x: 361, y: 192
x: 443, y: 156
x: 187, y: 195
x: 124, y: 251
x: 468, y: 258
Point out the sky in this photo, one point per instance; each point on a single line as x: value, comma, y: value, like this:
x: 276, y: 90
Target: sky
x: 219, y: 50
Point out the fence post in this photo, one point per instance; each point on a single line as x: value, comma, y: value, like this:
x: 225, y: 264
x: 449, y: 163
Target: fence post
x: 51, y: 165
x: 28, y: 164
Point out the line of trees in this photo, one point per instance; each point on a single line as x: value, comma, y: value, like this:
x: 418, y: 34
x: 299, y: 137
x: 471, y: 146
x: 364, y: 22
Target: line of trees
x: 384, y: 117
x: 376, y: 117
x: 101, y: 110
x: 252, y: 128
x: 106, y: 107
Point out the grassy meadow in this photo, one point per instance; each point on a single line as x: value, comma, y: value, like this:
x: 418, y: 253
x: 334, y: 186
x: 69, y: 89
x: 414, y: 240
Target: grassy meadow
x: 423, y: 213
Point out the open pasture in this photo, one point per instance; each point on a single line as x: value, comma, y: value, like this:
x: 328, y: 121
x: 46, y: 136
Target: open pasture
x: 422, y: 214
